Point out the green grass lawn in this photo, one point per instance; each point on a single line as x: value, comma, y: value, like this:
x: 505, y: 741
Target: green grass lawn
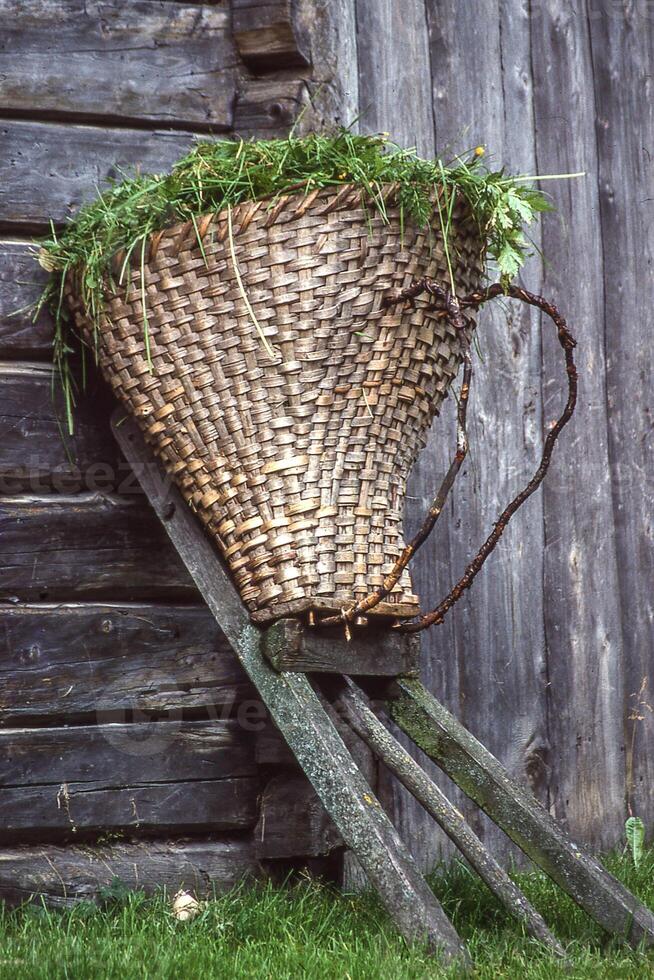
x: 308, y: 930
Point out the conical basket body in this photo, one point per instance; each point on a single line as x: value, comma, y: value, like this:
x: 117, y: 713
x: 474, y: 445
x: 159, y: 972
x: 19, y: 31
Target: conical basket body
x: 293, y: 451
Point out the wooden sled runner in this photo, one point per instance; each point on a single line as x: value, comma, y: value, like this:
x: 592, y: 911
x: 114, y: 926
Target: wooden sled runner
x: 279, y: 661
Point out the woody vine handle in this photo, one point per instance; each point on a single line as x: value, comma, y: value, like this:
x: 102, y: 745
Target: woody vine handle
x: 450, y: 306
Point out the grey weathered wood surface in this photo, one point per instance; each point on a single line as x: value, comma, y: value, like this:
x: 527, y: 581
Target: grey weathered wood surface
x: 622, y: 52
x: 135, y: 776
x: 86, y: 546
x: 268, y: 34
x: 66, y: 875
x: 107, y: 663
x: 48, y: 169
x: 36, y: 451
x: 371, y: 729
x: 292, y: 821
x: 21, y: 283
x: 167, y: 63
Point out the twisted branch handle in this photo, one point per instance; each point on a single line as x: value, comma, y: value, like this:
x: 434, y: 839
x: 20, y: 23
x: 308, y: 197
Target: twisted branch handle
x: 452, y: 307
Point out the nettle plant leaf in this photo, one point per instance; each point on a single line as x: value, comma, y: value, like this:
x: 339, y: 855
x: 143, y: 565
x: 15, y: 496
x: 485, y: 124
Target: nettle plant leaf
x: 635, y: 831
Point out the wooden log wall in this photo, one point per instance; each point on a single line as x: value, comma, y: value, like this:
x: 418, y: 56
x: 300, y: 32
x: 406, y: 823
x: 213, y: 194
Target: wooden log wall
x: 549, y: 658
x: 129, y: 735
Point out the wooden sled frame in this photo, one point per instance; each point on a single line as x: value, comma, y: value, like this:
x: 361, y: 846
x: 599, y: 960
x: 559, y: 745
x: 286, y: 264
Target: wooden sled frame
x: 278, y: 660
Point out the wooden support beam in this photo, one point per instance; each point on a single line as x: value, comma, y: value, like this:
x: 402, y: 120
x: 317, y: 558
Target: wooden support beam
x: 366, y: 724
x: 289, y: 645
x: 299, y: 715
x: 517, y: 812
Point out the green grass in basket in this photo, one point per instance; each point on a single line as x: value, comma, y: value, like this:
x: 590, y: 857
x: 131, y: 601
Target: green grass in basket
x: 220, y: 174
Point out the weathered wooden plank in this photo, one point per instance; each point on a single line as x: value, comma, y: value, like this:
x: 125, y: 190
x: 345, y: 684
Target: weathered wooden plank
x: 87, y: 546
x: 311, y: 735
x: 133, y: 59
x: 74, y: 660
x: 99, y: 757
x: 267, y: 108
x: 62, y: 876
x: 144, y: 776
x: 292, y: 821
x: 21, y: 283
x: 498, y: 637
x: 582, y: 614
x: 623, y: 70
x: 267, y: 34
x: 289, y: 645
x: 36, y: 451
x: 88, y: 809
x: 47, y: 170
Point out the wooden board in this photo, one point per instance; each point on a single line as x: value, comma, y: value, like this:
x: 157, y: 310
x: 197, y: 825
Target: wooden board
x: 37, y: 453
x: 47, y: 169
x: 268, y: 36
x: 292, y: 821
x: 111, y: 662
x: 582, y: 607
x: 21, y: 283
x: 267, y: 108
x: 87, y: 546
x: 134, y: 59
x: 73, y: 811
x: 114, y: 755
x: 622, y: 52
x: 63, y: 876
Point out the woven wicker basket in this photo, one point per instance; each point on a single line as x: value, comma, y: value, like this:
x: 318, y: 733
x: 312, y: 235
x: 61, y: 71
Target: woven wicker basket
x: 295, y: 462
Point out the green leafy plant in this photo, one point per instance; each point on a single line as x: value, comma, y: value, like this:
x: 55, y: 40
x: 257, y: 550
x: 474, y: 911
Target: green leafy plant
x: 220, y: 174
x: 635, y: 833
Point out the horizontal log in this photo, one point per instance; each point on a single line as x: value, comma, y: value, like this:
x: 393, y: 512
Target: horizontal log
x: 268, y: 108
x: 22, y: 281
x: 71, y: 661
x: 268, y: 35
x: 74, y: 810
x: 47, y: 169
x: 134, y: 59
x: 63, y: 876
x: 87, y: 546
x: 36, y: 451
x: 292, y: 821
x: 147, y: 775
x: 97, y: 757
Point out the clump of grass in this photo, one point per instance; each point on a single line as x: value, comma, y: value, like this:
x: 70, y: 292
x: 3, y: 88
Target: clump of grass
x: 221, y: 174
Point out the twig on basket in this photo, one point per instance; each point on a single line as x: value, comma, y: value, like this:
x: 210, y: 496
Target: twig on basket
x: 453, y: 311
x: 568, y: 343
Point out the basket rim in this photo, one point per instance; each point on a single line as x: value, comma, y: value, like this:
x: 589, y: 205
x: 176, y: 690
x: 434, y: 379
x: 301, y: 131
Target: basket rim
x: 342, y: 196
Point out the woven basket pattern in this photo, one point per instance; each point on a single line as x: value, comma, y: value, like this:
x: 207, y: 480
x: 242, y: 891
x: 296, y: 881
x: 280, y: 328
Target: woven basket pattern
x: 296, y: 462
